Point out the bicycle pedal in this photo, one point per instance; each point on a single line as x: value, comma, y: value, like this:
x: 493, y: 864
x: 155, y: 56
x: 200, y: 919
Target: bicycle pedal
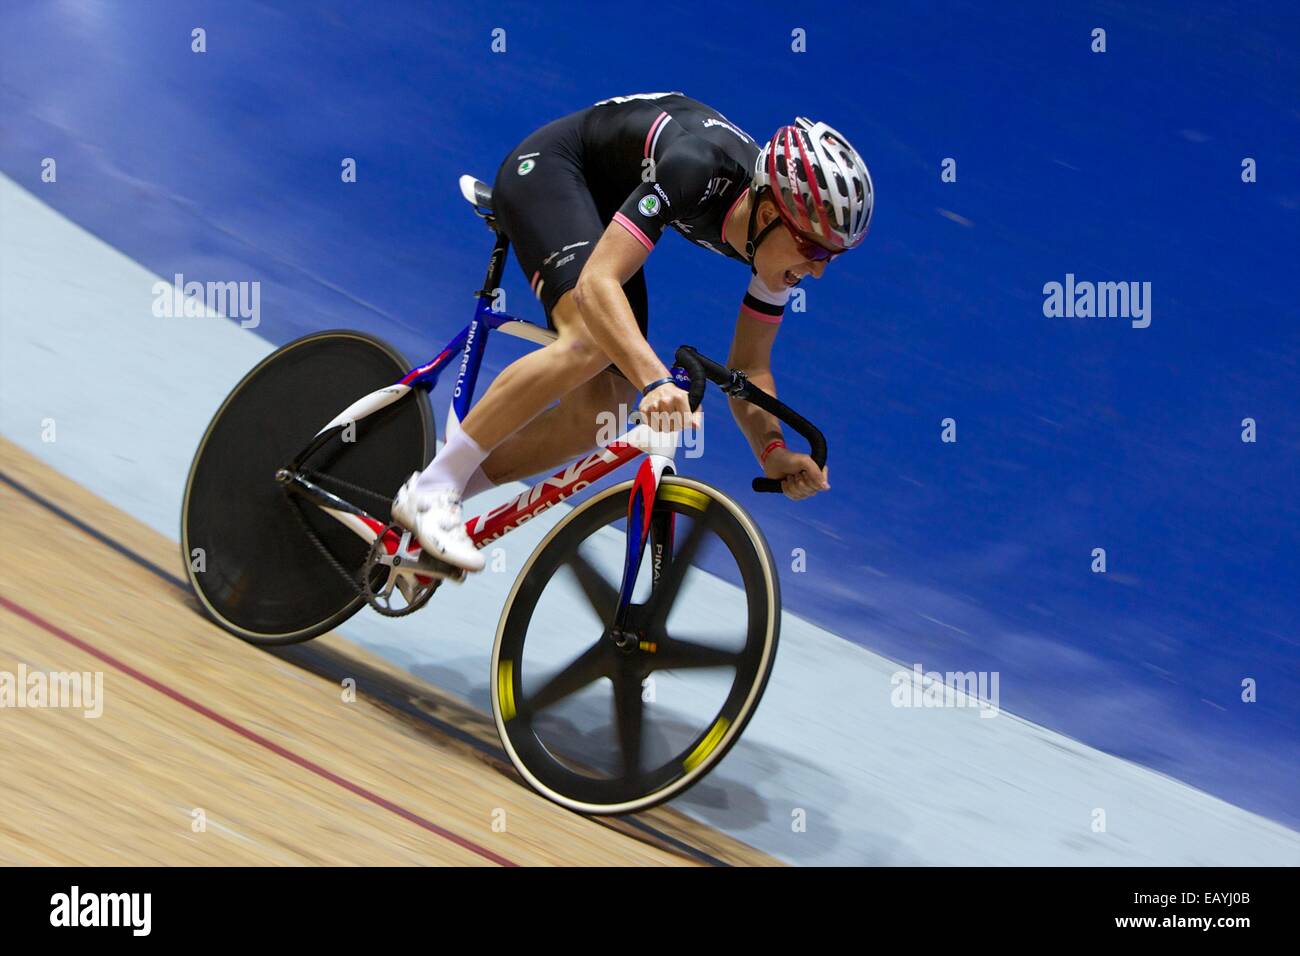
x: 422, y: 564
x: 409, y: 559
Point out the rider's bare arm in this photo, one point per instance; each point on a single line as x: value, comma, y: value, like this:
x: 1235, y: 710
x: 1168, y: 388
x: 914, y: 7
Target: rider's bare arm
x: 751, y: 352
x: 605, y: 309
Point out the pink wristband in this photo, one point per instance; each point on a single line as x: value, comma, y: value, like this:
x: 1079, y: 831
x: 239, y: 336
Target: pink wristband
x: 777, y: 443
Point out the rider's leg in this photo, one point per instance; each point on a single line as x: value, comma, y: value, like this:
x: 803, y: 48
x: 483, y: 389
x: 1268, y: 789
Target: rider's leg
x: 430, y: 503
x: 518, y: 395
x: 563, y: 432
x: 477, y: 484
x: 558, y: 435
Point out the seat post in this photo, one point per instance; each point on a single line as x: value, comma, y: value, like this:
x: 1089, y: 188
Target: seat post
x: 496, y: 263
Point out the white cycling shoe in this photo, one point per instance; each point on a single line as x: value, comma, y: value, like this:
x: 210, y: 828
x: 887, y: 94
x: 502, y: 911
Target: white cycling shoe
x: 435, y: 518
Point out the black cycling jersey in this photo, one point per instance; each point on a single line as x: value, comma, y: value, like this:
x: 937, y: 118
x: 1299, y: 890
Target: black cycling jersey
x: 646, y: 161
x: 675, y: 162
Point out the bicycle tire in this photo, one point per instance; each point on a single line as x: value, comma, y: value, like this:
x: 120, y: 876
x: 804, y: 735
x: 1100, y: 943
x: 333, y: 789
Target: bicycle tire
x: 554, y: 775
x: 258, y: 574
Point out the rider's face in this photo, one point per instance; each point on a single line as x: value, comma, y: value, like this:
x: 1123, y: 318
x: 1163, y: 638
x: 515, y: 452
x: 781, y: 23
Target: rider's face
x: 779, y: 262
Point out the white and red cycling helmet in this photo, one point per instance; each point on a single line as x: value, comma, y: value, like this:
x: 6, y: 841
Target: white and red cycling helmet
x: 819, y: 183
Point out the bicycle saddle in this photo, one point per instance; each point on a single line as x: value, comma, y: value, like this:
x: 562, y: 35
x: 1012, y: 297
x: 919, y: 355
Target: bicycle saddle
x: 476, y: 193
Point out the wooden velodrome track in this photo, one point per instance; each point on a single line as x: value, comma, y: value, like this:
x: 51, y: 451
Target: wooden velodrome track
x: 262, y: 744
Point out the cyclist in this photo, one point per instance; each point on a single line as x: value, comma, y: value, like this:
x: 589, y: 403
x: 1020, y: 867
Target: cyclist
x: 584, y: 200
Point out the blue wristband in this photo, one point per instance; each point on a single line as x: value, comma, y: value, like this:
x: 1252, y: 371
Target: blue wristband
x: 658, y: 383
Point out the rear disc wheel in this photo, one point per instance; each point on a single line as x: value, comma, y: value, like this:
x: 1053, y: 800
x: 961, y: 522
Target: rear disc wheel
x: 253, y: 567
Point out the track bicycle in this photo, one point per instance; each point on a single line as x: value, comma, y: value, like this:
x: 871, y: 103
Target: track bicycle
x: 618, y: 678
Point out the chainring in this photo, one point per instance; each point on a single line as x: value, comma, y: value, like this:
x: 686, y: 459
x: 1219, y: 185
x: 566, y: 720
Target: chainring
x: 382, y: 600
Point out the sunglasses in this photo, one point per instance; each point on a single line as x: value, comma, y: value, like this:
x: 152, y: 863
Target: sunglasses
x: 812, y: 251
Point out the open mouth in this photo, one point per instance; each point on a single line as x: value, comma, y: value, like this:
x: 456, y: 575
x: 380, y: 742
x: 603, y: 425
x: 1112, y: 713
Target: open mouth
x: 790, y: 278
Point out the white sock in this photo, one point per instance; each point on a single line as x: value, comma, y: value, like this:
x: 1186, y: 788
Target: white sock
x: 478, y: 483
x: 452, y: 467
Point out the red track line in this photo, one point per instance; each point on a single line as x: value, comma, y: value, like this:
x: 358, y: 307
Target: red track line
x: 270, y: 745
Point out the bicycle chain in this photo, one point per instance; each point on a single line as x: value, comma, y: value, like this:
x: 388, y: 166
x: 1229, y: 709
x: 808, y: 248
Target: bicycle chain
x: 361, y: 589
x: 319, y: 476
x: 358, y: 589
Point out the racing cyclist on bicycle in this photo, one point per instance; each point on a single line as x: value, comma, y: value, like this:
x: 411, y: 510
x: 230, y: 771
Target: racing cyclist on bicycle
x: 584, y: 200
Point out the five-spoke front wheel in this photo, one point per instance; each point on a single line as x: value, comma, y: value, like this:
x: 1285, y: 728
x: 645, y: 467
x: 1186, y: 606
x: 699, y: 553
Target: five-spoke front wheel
x: 612, y: 719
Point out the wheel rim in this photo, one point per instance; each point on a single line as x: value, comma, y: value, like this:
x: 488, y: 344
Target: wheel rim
x: 704, y: 687
x: 261, y: 577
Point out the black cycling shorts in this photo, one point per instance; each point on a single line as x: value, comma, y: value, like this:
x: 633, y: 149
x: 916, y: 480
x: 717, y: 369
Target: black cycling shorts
x: 544, y: 205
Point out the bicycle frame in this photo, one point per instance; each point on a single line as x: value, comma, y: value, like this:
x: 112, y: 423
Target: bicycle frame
x: 470, y: 345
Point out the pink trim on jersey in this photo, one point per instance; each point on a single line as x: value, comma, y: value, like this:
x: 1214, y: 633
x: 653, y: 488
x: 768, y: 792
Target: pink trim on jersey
x: 631, y: 227
x: 761, y: 316
x: 651, y: 135
x: 727, y: 217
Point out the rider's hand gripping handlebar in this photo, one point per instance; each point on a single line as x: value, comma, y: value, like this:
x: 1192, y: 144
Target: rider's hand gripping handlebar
x: 700, y: 369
